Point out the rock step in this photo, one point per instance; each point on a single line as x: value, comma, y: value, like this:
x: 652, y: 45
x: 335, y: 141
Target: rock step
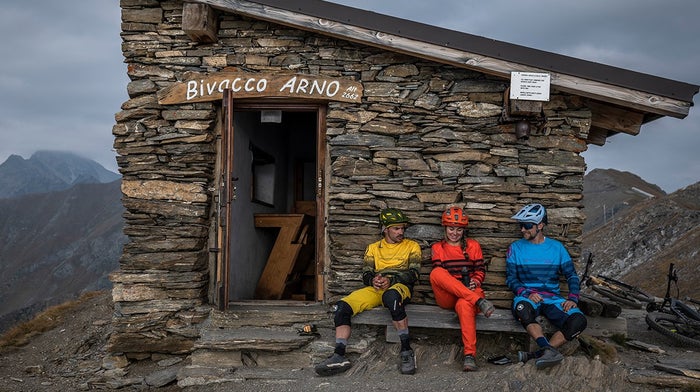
x: 251, y: 338
x: 265, y: 314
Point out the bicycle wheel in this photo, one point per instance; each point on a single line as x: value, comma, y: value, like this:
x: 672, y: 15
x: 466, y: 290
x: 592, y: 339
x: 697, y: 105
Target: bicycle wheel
x: 674, y: 328
x: 619, y: 298
x: 633, y: 291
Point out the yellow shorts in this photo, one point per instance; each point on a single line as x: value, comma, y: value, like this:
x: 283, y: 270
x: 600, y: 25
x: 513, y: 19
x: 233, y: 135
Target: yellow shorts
x: 368, y: 297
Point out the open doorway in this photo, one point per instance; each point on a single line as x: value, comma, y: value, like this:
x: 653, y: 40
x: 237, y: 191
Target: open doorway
x: 273, y: 241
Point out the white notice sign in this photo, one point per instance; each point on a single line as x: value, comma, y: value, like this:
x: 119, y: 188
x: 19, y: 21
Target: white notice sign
x: 529, y: 86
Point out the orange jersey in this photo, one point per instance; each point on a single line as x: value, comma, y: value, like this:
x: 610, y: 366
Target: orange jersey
x: 454, y: 259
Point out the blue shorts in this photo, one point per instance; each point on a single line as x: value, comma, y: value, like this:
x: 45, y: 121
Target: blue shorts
x: 549, y: 307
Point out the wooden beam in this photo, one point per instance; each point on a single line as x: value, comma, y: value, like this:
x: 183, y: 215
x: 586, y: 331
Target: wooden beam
x: 597, y: 136
x: 199, y: 22
x: 615, y: 118
x: 633, y: 99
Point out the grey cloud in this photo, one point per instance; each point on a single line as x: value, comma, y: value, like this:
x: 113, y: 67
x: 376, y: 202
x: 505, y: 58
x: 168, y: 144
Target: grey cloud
x: 65, y: 77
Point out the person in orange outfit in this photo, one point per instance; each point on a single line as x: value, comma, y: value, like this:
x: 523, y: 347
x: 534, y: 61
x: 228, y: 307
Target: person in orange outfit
x: 456, y: 278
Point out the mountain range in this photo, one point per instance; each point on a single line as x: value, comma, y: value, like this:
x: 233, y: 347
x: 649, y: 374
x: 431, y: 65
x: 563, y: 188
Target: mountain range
x: 49, y: 171
x: 608, y: 193
x: 61, y: 231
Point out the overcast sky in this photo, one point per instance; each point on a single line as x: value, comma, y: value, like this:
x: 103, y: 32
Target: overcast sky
x: 62, y: 76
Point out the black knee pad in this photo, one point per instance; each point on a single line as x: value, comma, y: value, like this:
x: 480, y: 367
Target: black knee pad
x: 392, y: 300
x: 343, y: 314
x: 574, y: 325
x: 525, y: 313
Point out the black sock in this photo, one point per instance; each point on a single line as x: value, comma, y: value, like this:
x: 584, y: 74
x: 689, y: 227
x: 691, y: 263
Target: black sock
x: 340, y: 349
x: 405, y: 342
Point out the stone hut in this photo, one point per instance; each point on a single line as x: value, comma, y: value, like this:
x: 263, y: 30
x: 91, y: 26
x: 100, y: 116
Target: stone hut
x: 262, y: 137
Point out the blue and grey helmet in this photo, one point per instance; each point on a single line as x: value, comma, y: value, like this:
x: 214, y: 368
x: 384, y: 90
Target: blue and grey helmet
x: 533, y: 213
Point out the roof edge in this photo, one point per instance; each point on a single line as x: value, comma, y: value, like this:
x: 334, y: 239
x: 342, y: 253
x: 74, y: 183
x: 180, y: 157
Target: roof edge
x: 490, y: 47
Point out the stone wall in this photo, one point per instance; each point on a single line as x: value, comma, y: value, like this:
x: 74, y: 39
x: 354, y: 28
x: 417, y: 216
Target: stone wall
x: 425, y: 136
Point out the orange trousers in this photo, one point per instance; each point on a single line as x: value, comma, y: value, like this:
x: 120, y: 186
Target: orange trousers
x: 450, y: 293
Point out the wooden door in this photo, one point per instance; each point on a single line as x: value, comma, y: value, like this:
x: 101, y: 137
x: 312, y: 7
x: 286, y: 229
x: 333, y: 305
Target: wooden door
x: 245, y: 240
x: 224, y: 198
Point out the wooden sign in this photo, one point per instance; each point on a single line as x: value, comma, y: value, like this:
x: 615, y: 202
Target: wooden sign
x: 253, y: 85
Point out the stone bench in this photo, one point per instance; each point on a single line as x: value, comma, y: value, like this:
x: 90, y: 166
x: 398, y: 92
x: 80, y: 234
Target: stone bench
x: 430, y: 316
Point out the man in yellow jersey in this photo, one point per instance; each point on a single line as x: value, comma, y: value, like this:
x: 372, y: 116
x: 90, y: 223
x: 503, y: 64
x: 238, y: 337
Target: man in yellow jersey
x: 391, y: 268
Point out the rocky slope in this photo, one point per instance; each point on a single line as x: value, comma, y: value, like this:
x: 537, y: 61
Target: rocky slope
x: 608, y: 194
x: 53, y: 246
x: 71, y: 357
x: 638, y: 246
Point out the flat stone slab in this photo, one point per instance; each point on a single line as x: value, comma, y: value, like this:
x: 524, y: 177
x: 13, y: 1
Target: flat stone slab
x: 251, y: 338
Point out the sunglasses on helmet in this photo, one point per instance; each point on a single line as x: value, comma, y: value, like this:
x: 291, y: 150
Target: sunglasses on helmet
x: 527, y: 225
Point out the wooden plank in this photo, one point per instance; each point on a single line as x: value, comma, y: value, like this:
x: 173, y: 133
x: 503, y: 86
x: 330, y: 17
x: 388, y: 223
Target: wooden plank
x: 677, y: 370
x: 290, y: 221
x: 681, y: 363
x: 645, y: 346
x: 427, y: 316
x: 274, y: 277
x: 284, y: 253
x: 663, y: 380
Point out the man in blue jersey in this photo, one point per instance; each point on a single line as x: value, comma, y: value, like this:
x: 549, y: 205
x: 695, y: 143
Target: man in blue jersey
x: 534, y: 265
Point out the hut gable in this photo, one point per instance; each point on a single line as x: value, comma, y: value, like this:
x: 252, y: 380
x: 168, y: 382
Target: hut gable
x: 642, y: 96
x: 265, y: 187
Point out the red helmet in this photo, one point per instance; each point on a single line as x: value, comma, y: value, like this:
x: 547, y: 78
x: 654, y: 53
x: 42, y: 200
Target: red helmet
x: 455, y: 217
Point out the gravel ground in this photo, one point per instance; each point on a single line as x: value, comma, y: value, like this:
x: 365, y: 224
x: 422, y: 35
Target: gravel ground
x: 72, y: 357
